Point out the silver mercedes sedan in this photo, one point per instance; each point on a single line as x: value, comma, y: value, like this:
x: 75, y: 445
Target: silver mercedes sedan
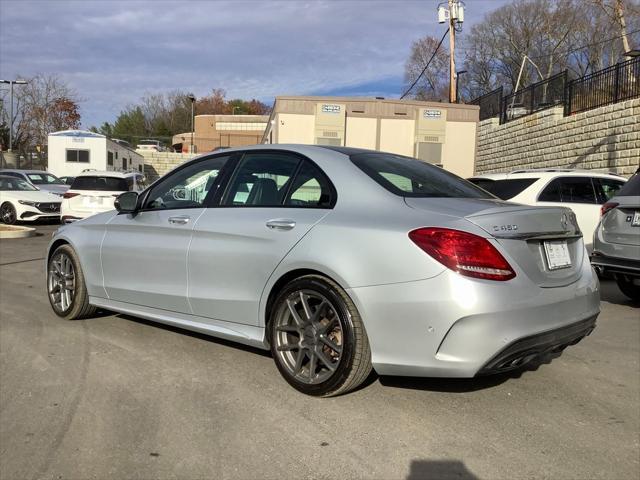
x: 339, y: 261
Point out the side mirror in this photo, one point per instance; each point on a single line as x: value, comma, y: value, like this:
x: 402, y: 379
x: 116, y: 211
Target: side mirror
x: 126, y: 202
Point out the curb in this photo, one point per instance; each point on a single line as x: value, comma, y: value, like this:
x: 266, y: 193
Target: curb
x: 17, y: 232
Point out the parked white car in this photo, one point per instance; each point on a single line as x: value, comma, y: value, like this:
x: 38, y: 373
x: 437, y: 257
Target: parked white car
x: 21, y: 201
x: 94, y: 192
x: 584, y: 191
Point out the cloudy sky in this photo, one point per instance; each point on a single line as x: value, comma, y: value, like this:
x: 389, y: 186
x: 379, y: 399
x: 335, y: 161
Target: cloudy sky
x: 113, y: 52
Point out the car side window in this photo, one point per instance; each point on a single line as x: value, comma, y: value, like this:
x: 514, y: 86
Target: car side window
x: 186, y: 188
x: 569, y: 190
x: 310, y: 188
x: 577, y: 190
x: 551, y: 192
x: 261, y: 180
x: 607, y: 188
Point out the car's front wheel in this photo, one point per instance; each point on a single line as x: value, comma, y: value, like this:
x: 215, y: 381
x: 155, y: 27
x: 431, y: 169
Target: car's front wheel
x: 626, y: 286
x: 66, y: 287
x: 317, y: 337
x: 8, y: 213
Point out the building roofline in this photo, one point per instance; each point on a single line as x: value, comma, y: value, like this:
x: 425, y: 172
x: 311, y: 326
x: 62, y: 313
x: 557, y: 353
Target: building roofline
x: 420, y: 103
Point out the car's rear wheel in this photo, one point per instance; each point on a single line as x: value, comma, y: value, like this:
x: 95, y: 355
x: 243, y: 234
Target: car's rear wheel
x: 626, y: 286
x: 8, y: 213
x: 66, y: 287
x: 318, y: 339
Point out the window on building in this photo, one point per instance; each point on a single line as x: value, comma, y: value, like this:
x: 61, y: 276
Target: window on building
x: 75, y: 155
x: 124, y: 163
x: 110, y: 159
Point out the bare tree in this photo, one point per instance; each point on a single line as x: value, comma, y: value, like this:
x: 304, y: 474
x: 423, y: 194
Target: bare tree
x: 434, y: 84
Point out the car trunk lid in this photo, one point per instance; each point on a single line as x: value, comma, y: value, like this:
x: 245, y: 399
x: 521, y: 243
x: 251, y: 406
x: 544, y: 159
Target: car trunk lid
x: 522, y: 231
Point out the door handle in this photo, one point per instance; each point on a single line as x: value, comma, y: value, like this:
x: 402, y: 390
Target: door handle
x: 181, y: 220
x: 281, y: 224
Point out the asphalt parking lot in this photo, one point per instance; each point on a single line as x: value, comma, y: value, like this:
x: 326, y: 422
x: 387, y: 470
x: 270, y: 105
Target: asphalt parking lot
x: 117, y: 397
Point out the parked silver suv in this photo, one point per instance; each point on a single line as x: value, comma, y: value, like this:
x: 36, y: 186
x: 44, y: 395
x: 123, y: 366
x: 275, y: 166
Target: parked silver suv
x: 616, y: 242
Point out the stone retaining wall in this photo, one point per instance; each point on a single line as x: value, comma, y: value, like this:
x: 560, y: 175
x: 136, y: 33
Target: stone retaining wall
x: 156, y: 164
x: 605, y: 138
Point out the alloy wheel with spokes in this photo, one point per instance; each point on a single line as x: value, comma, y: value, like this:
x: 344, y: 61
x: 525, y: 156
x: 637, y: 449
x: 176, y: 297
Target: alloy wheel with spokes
x: 66, y: 287
x: 61, y: 282
x: 317, y: 337
x: 309, y: 336
x: 8, y: 213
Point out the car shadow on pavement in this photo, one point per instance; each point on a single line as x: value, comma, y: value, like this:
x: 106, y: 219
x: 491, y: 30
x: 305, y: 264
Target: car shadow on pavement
x: 439, y: 470
x: 465, y: 385
x: 198, y: 335
x: 609, y: 292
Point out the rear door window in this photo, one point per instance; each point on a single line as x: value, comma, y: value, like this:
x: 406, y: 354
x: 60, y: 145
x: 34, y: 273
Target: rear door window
x: 607, y: 188
x: 569, y: 190
x: 310, y: 188
x: 100, y: 183
x: 261, y: 180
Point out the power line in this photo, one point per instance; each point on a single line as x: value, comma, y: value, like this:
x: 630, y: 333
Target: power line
x: 426, y: 66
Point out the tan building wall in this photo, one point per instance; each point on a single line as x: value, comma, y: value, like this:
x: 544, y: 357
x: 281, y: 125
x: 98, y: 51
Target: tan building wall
x: 361, y: 132
x: 397, y: 136
x: 214, y: 131
x: 456, y: 153
x: 440, y: 133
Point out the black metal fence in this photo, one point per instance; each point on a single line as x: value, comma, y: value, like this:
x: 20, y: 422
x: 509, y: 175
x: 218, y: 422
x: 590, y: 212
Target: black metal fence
x: 490, y: 104
x: 534, y: 98
x: 611, y: 85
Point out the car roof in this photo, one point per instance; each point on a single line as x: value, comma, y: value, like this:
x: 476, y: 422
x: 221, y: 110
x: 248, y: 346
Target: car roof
x: 20, y: 170
x: 108, y: 173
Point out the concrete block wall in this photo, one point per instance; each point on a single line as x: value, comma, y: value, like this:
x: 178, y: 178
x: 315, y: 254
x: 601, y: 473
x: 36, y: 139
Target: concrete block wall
x: 604, y: 139
x: 156, y: 164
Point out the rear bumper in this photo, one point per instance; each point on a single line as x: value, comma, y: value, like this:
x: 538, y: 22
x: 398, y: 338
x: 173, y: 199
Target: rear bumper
x: 451, y: 326
x: 527, y: 349
x: 606, y: 264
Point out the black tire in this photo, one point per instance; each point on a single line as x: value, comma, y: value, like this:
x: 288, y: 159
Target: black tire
x: 626, y: 286
x: 353, y: 365
x: 78, y: 304
x: 8, y: 213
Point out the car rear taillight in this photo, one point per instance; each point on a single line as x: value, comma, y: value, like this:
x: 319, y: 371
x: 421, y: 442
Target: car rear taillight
x: 463, y: 252
x: 70, y: 195
x: 607, y: 206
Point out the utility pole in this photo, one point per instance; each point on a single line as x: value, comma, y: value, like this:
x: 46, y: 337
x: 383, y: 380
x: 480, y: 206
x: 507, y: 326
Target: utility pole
x: 453, y: 13
x: 11, y: 84
x: 453, y: 81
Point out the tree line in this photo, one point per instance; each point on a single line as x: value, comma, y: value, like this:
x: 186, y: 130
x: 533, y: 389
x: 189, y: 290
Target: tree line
x: 581, y: 36
x: 160, y: 116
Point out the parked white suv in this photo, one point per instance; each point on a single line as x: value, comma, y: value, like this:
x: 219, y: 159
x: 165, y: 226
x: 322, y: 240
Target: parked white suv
x: 584, y: 191
x: 94, y: 192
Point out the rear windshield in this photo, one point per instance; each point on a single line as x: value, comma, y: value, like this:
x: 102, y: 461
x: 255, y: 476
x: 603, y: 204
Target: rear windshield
x: 408, y: 177
x: 631, y: 188
x: 105, y: 184
x: 44, y: 179
x: 504, y: 189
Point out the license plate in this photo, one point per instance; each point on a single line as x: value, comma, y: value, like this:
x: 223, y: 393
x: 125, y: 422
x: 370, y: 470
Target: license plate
x: 93, y: 201
x: 636, y: 220
x: 557, y: 253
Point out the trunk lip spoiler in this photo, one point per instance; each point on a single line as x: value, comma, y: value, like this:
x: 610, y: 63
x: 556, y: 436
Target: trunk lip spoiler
x: 564, y: 235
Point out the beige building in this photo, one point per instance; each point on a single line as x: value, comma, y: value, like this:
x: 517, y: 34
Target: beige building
x: 440, y: 133
x: 215, y: 131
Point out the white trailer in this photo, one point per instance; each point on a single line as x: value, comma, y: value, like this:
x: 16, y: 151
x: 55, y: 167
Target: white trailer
x: 70, y: 152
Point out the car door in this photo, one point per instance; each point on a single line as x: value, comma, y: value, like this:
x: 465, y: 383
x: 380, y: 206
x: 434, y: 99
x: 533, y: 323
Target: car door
x: 577, y: 193
x: 270, y: 202
x: 144, y: 256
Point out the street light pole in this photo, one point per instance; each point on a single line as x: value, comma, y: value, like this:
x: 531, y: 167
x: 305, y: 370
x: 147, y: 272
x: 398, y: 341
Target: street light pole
x: 11, y: 84
x: 192, y: 97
